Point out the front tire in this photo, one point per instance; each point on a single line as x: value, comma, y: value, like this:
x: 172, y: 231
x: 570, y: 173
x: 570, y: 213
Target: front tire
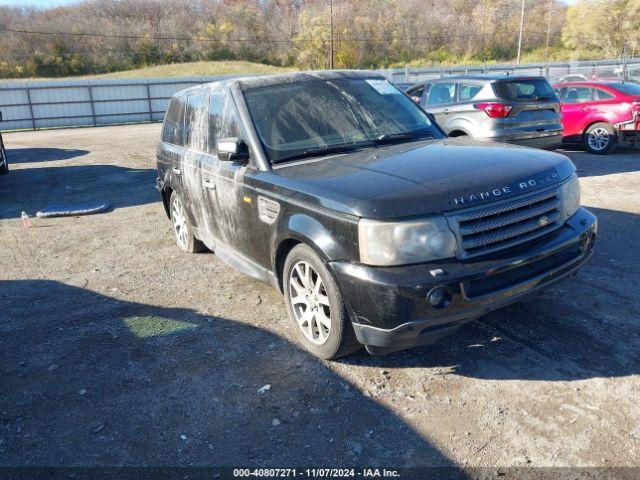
x: 315, y: 306
x: 182, y: 229
x: 600, y: 138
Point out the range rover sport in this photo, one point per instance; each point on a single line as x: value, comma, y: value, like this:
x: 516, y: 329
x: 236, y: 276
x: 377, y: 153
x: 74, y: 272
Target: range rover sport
x: 338, y: 190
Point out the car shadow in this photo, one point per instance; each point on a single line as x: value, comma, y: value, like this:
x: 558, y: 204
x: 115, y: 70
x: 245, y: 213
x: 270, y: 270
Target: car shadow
x: 580, y: 328
x: 35, y: 155
x: 590, y: 165
x: 33, y: 189
x: 90, y: 380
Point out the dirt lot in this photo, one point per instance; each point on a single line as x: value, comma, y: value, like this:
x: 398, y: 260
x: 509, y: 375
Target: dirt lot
x: 117, y: 350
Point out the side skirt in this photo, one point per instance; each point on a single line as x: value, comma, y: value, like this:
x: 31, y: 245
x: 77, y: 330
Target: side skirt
x: 238, y: 261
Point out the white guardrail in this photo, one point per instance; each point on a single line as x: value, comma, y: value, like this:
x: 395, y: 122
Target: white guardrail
x: 33, y: 105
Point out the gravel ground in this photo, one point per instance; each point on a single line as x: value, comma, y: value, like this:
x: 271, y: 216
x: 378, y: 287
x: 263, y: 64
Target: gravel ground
x: 115, y: 349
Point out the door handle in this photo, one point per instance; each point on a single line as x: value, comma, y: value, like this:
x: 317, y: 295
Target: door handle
x: 177, y: 171
x: 446, y: 110
x: 208, y: 184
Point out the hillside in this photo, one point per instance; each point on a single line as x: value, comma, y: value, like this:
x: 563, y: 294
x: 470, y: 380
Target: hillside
x: 191, y: 69
x: 195, y: 69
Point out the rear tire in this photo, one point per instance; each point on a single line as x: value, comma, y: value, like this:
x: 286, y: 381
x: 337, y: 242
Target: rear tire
x: 600, y: 138
x: 181, y: 226
x: 315, y: 305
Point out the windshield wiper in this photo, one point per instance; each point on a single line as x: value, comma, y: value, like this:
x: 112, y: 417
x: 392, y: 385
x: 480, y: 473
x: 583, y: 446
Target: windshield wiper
x: 394, y: 137
x: 317, y: 152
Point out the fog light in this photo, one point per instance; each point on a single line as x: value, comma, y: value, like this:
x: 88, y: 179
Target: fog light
x: 439, y: 297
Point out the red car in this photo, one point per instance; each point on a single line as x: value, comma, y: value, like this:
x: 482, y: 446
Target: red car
x: 594, y: 114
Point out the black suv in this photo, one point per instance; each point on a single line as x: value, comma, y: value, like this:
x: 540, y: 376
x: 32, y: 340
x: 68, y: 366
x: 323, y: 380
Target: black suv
x: 338, y: 190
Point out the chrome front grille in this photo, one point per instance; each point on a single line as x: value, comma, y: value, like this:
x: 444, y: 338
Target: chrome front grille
x: 490, y: 228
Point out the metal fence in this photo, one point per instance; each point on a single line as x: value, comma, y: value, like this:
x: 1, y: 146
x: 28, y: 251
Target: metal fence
x: 49, y: 104
x: 613, y: 70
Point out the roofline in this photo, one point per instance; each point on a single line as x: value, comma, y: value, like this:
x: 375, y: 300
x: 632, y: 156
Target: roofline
x: 249, y: 83
x: 604, y: 83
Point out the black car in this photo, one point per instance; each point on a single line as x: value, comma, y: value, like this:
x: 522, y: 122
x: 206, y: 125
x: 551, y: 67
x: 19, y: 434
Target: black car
x: 4, y: 165
x: 338, y: 190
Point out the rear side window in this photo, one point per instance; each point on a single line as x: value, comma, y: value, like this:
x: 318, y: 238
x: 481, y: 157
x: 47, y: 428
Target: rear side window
x: 442, y: 93
x: 602, y: 94
x: 535, y: 89
x: 195, y: 129
x: 223, y: 122
x: 467, y: 91
x: 172, y: 128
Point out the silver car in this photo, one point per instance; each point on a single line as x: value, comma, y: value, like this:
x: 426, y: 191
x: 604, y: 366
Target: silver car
x: 500, y: 108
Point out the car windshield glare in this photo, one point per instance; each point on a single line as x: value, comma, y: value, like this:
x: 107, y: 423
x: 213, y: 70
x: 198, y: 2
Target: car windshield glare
x: 307, y: 118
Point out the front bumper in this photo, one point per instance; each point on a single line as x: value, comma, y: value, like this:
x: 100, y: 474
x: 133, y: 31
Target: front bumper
x: 389, y: 307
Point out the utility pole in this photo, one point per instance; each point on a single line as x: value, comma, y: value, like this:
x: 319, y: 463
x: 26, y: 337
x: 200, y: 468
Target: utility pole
x: 548, y: 34
x: 330, y: 34
x: 521, y: 29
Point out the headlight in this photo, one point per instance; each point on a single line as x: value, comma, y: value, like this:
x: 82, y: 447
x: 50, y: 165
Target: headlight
x: 399, y: 243
x: 569, y: 198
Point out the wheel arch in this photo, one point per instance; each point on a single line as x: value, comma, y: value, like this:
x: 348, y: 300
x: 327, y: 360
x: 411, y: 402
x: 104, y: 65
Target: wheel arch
x: 459, y: 125
x: 281, y: 254
x: 592, y: 122
x: 165, y: 193
x: 302, y: 228
x: 284, y: 247
x: 458, y: 132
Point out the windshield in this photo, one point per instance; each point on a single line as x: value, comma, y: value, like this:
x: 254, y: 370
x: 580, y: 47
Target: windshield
x: 320, y: 116
x: 628, y: 88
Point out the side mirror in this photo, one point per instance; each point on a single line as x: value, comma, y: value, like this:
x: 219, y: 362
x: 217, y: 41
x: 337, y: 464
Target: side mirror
x: 232, y: 148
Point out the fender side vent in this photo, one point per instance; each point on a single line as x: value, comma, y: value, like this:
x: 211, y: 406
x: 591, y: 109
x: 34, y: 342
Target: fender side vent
x: 268, y: 210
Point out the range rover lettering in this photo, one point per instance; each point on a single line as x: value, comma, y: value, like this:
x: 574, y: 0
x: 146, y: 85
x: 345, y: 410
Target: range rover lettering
x: 342, y: 193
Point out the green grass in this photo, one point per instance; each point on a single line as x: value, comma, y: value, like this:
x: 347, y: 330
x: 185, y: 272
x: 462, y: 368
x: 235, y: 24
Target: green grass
x: 196, y: 69
x: 190, y: 69
x: 145, y: 327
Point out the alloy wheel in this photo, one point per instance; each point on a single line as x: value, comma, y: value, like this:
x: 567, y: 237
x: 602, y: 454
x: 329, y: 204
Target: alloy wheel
x: 310, y: 303
x: 598, y: 138
x: 179, y: 220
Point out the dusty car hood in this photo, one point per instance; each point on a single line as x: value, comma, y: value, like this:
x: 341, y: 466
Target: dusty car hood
x: 421, y: 177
